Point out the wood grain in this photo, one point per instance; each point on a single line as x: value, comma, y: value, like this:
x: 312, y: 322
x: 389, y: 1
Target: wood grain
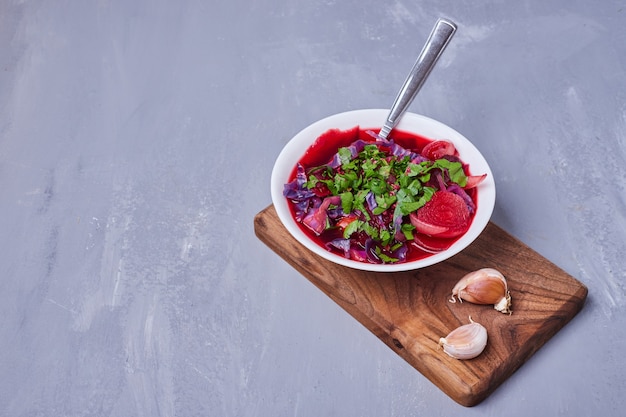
x: 409, y: 311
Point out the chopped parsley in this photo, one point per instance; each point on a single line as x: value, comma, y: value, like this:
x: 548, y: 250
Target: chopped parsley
x: 367, y: 193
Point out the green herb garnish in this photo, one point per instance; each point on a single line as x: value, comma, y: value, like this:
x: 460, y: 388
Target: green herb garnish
x: 376, y: 183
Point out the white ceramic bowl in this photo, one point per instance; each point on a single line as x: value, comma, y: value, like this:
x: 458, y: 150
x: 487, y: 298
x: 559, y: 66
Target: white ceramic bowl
x: 373, y: 119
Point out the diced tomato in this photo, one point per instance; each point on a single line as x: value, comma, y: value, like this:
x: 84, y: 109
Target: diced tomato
x: 321, y: 190
x: 345, y: 221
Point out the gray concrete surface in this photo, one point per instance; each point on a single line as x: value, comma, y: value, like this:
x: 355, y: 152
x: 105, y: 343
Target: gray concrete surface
x: 136, y: 144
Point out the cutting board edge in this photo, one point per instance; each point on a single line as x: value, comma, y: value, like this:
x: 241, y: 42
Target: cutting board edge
x: 465, y: 394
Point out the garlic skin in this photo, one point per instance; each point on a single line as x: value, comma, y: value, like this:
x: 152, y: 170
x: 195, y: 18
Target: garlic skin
x: 484, y: 286
x: 465, y: 342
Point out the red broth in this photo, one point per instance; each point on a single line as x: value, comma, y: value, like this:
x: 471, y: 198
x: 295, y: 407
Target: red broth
x: 326, y: 146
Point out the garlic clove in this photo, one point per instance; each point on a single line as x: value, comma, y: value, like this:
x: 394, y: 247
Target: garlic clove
x: 484, y: 286
x: 465, y: 342
x: 504, y: 305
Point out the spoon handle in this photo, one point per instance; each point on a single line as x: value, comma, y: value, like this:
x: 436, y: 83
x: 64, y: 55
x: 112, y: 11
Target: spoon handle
x: 436, y: 43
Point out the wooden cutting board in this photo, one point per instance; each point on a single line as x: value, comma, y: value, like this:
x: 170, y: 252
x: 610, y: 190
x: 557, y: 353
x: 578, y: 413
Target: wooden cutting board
x: 409, y: 311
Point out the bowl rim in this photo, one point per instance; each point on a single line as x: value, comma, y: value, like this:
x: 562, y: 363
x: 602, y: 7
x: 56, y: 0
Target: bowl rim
x: 373, y: 118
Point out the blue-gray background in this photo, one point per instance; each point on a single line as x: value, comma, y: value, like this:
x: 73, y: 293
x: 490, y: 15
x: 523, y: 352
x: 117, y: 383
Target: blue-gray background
x: 136, y: 144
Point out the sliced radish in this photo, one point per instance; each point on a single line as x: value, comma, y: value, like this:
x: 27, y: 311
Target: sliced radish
x: 446, y: 215
x: 427, y: 227
x: 438, y: 149
x: 474, y: 180
x: 431, y: 244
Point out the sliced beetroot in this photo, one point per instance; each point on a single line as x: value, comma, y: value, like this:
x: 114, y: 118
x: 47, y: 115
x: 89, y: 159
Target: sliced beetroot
x: 445, y: 216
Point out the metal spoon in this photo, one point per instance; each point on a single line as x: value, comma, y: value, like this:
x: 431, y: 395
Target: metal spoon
x: 436, y: 43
